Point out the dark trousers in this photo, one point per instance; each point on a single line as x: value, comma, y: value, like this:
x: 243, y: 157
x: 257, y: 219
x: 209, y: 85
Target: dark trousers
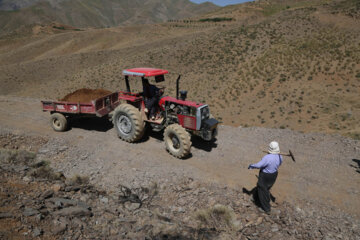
x: 151, y: 105
x: 264, y: 184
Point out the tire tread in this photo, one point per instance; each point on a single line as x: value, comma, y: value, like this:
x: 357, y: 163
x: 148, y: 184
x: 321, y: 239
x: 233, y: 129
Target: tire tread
x: 136, y: 118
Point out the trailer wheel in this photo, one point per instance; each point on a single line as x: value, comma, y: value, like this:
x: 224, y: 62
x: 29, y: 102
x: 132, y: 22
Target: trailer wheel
x: 128, y: 123
x: 177, y: 140
x: 58, y: 122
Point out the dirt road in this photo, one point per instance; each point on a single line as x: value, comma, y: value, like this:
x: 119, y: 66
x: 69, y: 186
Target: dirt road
x: 325, y: 170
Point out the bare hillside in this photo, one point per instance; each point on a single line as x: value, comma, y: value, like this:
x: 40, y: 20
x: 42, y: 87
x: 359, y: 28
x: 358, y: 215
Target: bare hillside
x: 94, y: 13
x: 274, y: 64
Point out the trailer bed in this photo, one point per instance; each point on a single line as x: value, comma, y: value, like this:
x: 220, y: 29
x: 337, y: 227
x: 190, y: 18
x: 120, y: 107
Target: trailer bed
x: 99, y: 107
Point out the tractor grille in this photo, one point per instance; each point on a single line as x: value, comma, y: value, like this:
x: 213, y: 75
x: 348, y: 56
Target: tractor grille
x: 190, y: 122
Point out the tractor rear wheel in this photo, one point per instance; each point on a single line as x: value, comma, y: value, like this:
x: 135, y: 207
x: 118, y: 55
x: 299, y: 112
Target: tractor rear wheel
x: 128, y: 123
x: 58, y: 122
x: 177, y: 140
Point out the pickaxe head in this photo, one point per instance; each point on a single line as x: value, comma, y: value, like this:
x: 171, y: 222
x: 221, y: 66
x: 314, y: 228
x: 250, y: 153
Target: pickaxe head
x: 292, y: 155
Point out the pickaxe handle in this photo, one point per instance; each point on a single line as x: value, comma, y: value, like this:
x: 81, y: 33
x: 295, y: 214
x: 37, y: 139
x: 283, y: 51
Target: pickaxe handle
x: 290, y: 154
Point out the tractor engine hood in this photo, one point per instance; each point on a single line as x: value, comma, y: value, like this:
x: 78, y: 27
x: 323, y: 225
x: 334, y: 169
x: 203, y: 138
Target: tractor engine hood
x: 190, y: 115
x: 178, y: 101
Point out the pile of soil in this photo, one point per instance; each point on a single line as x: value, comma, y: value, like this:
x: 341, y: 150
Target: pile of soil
x: 85, y: 95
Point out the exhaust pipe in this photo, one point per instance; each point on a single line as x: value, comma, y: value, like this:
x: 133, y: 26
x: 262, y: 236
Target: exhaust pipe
x: 177, y: 86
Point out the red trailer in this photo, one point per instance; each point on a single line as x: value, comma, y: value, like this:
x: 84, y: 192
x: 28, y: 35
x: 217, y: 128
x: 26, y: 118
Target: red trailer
x: 61, y: 112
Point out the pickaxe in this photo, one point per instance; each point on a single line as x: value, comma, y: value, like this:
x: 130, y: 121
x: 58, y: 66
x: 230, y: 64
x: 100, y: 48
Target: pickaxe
x: 290, y: 154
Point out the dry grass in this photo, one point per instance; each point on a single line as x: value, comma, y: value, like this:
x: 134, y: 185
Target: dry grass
x: 78, y: 180
x: 218, y: 217
x: 16, y: 156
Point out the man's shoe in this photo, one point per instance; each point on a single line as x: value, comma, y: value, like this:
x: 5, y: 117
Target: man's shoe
x: 263, y: 211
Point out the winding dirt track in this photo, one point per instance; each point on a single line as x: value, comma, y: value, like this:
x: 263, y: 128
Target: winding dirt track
x: 324, y: 172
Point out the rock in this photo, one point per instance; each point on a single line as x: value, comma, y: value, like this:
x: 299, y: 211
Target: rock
x: 104, y: 200
x: 84, y: 205
x: 163, y: 218
x: 56, y: 187
x: 72, y: 188
x: 78, y: 223
x: 59, y: 229
x: 39, y: 217
x: 259, y: 221
x: 47, y: 194
x: 6, y: 215
x: 182, y: 201
x: 62, y: 148
x: 180, y: 210
x: 50, y: 205
x: 276, y: 212
x: 37, y: 232
x: 132, y: 206
x: 26, y: 179
x: 30, y: 212
x: 73, y: 211
x: 43, y: 151
x: 237, y: 225
x: 63, y: 202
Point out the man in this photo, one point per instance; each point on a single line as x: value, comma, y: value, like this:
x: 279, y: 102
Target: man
x: 268, y: 166
x: 152, y: 95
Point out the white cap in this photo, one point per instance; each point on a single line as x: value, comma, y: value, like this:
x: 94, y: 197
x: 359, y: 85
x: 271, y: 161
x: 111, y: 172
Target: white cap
x: 274, y: 148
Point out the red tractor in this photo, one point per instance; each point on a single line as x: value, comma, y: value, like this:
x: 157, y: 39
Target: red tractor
x: 179, y: 118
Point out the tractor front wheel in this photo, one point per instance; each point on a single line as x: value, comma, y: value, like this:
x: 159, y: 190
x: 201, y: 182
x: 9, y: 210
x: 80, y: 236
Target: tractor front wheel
x: 58, y: 122
x: 128, y: 123
x: 177, y: 140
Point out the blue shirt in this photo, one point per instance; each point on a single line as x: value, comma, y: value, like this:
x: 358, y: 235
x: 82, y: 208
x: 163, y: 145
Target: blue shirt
x: 269, y: 163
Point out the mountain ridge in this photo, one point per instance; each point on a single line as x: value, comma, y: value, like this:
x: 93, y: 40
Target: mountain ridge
x: 95, y: 13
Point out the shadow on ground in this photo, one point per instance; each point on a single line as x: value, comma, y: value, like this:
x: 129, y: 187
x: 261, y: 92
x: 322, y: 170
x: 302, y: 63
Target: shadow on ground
x: 92, y: 123
x: 201, y: 144
x: 357, y: 166
x: 197, y: 142
x: 255, y: 197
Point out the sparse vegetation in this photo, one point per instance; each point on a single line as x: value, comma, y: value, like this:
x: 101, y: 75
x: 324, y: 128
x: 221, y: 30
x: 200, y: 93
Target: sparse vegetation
x: 78, y: 180
x: 16, y: 156
x: 218, y: 217
x: 235, y: 69
x: 217, y: 19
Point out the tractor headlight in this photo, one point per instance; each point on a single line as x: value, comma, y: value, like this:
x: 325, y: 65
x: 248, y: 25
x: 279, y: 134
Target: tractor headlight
x: 205, y: 113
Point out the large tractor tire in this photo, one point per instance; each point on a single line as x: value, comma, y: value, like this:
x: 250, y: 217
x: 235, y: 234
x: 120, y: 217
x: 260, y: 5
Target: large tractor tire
x: 128, y: 123
x: 58, y: 122
x: 177, y: 140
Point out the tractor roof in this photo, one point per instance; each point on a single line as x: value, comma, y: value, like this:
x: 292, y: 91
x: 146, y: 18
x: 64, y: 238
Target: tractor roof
x: 144, y: 72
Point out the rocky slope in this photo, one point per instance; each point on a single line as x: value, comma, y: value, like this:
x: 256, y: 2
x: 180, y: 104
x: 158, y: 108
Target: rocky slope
x: 37, y: 201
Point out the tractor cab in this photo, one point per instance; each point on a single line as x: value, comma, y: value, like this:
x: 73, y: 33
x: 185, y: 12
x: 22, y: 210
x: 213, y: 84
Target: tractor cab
x: 139, y: 99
